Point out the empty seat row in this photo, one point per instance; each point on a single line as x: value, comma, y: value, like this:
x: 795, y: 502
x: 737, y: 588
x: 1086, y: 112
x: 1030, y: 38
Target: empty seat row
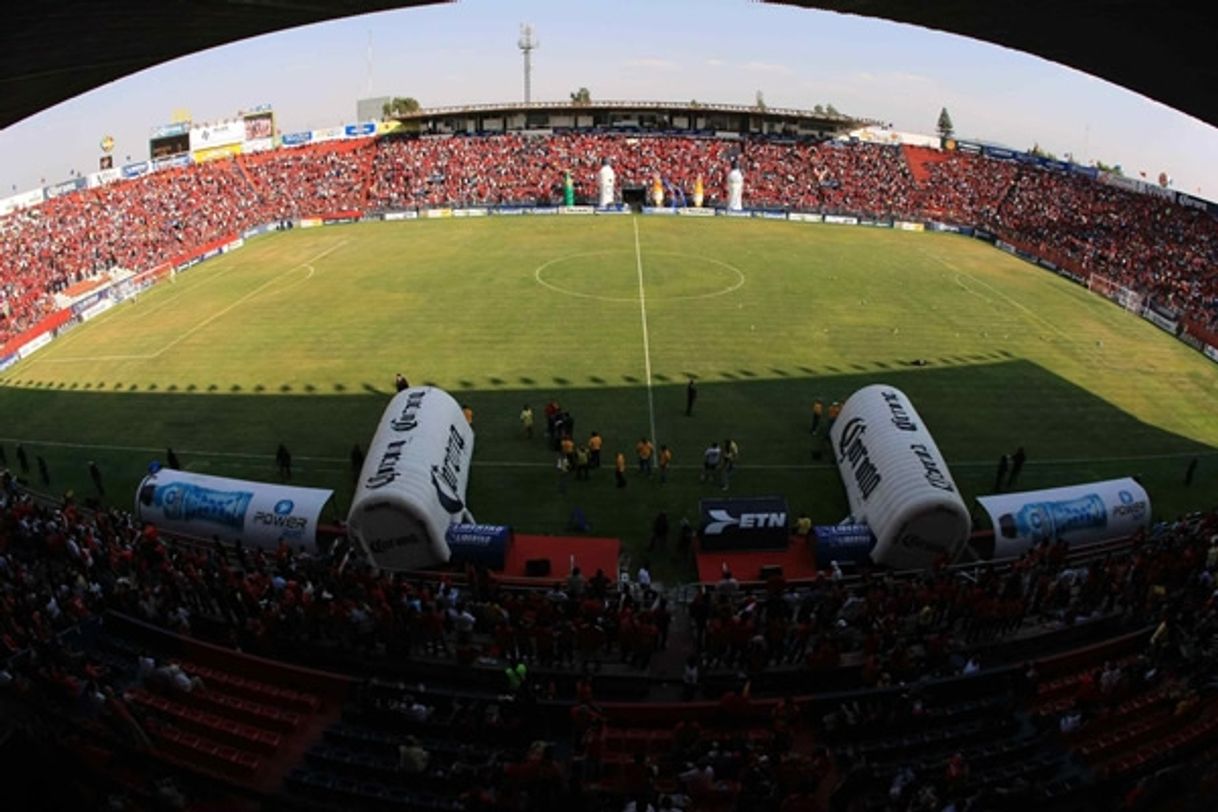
x: 207, y: 753
x: 218, y: 727
x: 261, y: 691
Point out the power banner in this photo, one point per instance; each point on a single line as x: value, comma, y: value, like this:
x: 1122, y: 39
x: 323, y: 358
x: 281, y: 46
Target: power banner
x: 412, y: 486
x: 259, y: 514
x: 1078, y: 514
x: 744, y: 524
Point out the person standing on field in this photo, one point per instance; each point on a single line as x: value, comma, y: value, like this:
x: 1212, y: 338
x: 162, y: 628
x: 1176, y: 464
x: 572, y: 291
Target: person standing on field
x: 645, y: 450
x: 96, y: 476
x: 710, y: 462
x: 619, y: 469
x: 665, y: 462
x: 730, y: 452
x: 691, y: 394
x: 835, y: 409
x: 400, y: 383
x: 594, y: 449
x: 526, y: 421
x: 1017, y: 462
x: 283, y: 460
x: 818, y: 409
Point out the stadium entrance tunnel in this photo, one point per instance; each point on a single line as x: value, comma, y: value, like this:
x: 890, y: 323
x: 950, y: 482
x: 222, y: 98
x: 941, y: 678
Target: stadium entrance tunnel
x: 977, y: 412
x: 635, y: 197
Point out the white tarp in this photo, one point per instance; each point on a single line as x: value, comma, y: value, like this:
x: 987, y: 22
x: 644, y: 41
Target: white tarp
x: 259, y: 514
x: 412, y: 486
x: 1078, y: 514
x: 897, y: 481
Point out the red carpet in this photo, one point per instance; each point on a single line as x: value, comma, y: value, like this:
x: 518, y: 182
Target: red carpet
x: 797, y: 561
x: 590, y: 554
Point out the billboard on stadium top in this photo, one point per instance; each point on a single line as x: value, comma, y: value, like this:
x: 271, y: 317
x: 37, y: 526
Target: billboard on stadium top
x: 412, y: 486
x: 897, y: 481
x: 258, y: 514
x: 208, y: 136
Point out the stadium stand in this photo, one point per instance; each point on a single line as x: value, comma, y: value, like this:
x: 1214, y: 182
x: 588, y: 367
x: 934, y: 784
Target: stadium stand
x: 1068, y: 678
x: 1163, y: 250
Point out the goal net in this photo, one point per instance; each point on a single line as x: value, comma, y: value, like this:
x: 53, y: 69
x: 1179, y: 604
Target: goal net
x: 1126, y: 297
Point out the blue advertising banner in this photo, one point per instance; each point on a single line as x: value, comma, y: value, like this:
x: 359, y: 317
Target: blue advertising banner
x: 175, y: 161
x: 842, y: 543
x: 746, y: 523
x: 1000, y: 153
x: 357, y: 130
x: 296, y: 139
x: 483, y: 545
x: 135, y: 170
x: 66, y: 187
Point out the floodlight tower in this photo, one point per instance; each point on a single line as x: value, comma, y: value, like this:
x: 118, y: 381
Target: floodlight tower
x: 527, y: 45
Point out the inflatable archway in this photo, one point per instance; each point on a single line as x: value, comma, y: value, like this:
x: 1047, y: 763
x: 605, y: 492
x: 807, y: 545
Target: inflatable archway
x: 412, y: 486
x: 896, y: 480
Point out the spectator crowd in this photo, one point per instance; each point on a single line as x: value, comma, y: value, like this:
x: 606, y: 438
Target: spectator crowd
x: 1146, y: 243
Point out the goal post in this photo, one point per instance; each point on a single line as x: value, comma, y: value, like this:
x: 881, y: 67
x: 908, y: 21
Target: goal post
x: 1113, y: 291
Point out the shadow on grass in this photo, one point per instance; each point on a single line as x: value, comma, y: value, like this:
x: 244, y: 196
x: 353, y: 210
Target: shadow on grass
x: 976, y: 413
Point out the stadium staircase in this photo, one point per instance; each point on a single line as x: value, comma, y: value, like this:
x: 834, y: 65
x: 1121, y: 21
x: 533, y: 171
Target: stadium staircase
x: 250, y: 180
x: 243, y: 727
x: 919, y: 159
x: 357, y: 762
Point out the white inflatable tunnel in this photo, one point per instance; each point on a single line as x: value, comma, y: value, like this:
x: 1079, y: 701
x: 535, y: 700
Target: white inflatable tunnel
x: 896, y: 480
x: 412, y: 486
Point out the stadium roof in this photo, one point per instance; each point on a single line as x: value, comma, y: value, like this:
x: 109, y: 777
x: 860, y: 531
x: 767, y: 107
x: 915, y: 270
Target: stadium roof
x: 839, y: 120
x: 55, y: 49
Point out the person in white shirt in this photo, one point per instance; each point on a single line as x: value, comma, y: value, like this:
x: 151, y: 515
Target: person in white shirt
x: 644, y: 577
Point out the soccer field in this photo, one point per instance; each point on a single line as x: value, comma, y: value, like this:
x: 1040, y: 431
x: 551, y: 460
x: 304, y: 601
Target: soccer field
x: 296, y: 338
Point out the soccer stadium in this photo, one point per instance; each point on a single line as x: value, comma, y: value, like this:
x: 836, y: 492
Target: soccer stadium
x: 607, y: 455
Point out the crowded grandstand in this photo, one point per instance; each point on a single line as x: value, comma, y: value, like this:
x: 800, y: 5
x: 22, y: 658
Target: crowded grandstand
x: 172, y: 670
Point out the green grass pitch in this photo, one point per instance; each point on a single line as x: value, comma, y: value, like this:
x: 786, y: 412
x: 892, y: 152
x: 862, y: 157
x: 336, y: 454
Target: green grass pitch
x: 297, y: 336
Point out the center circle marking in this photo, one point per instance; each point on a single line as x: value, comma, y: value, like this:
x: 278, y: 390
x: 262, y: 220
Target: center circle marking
x: 540, y: 279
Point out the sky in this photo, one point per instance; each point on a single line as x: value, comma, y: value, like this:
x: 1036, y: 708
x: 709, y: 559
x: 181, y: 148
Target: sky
x: 662, y: 50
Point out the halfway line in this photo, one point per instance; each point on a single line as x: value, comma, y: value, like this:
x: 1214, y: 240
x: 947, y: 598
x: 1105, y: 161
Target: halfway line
x: 638, y: 259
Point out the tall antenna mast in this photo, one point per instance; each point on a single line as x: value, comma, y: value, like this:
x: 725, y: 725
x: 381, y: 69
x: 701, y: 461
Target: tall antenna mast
x: 527, y: 45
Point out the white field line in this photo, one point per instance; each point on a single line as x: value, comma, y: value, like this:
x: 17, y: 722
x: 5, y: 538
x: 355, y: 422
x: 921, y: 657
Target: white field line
x: 638, y: 261
x: 239, y: 455
x: 223, y: 312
